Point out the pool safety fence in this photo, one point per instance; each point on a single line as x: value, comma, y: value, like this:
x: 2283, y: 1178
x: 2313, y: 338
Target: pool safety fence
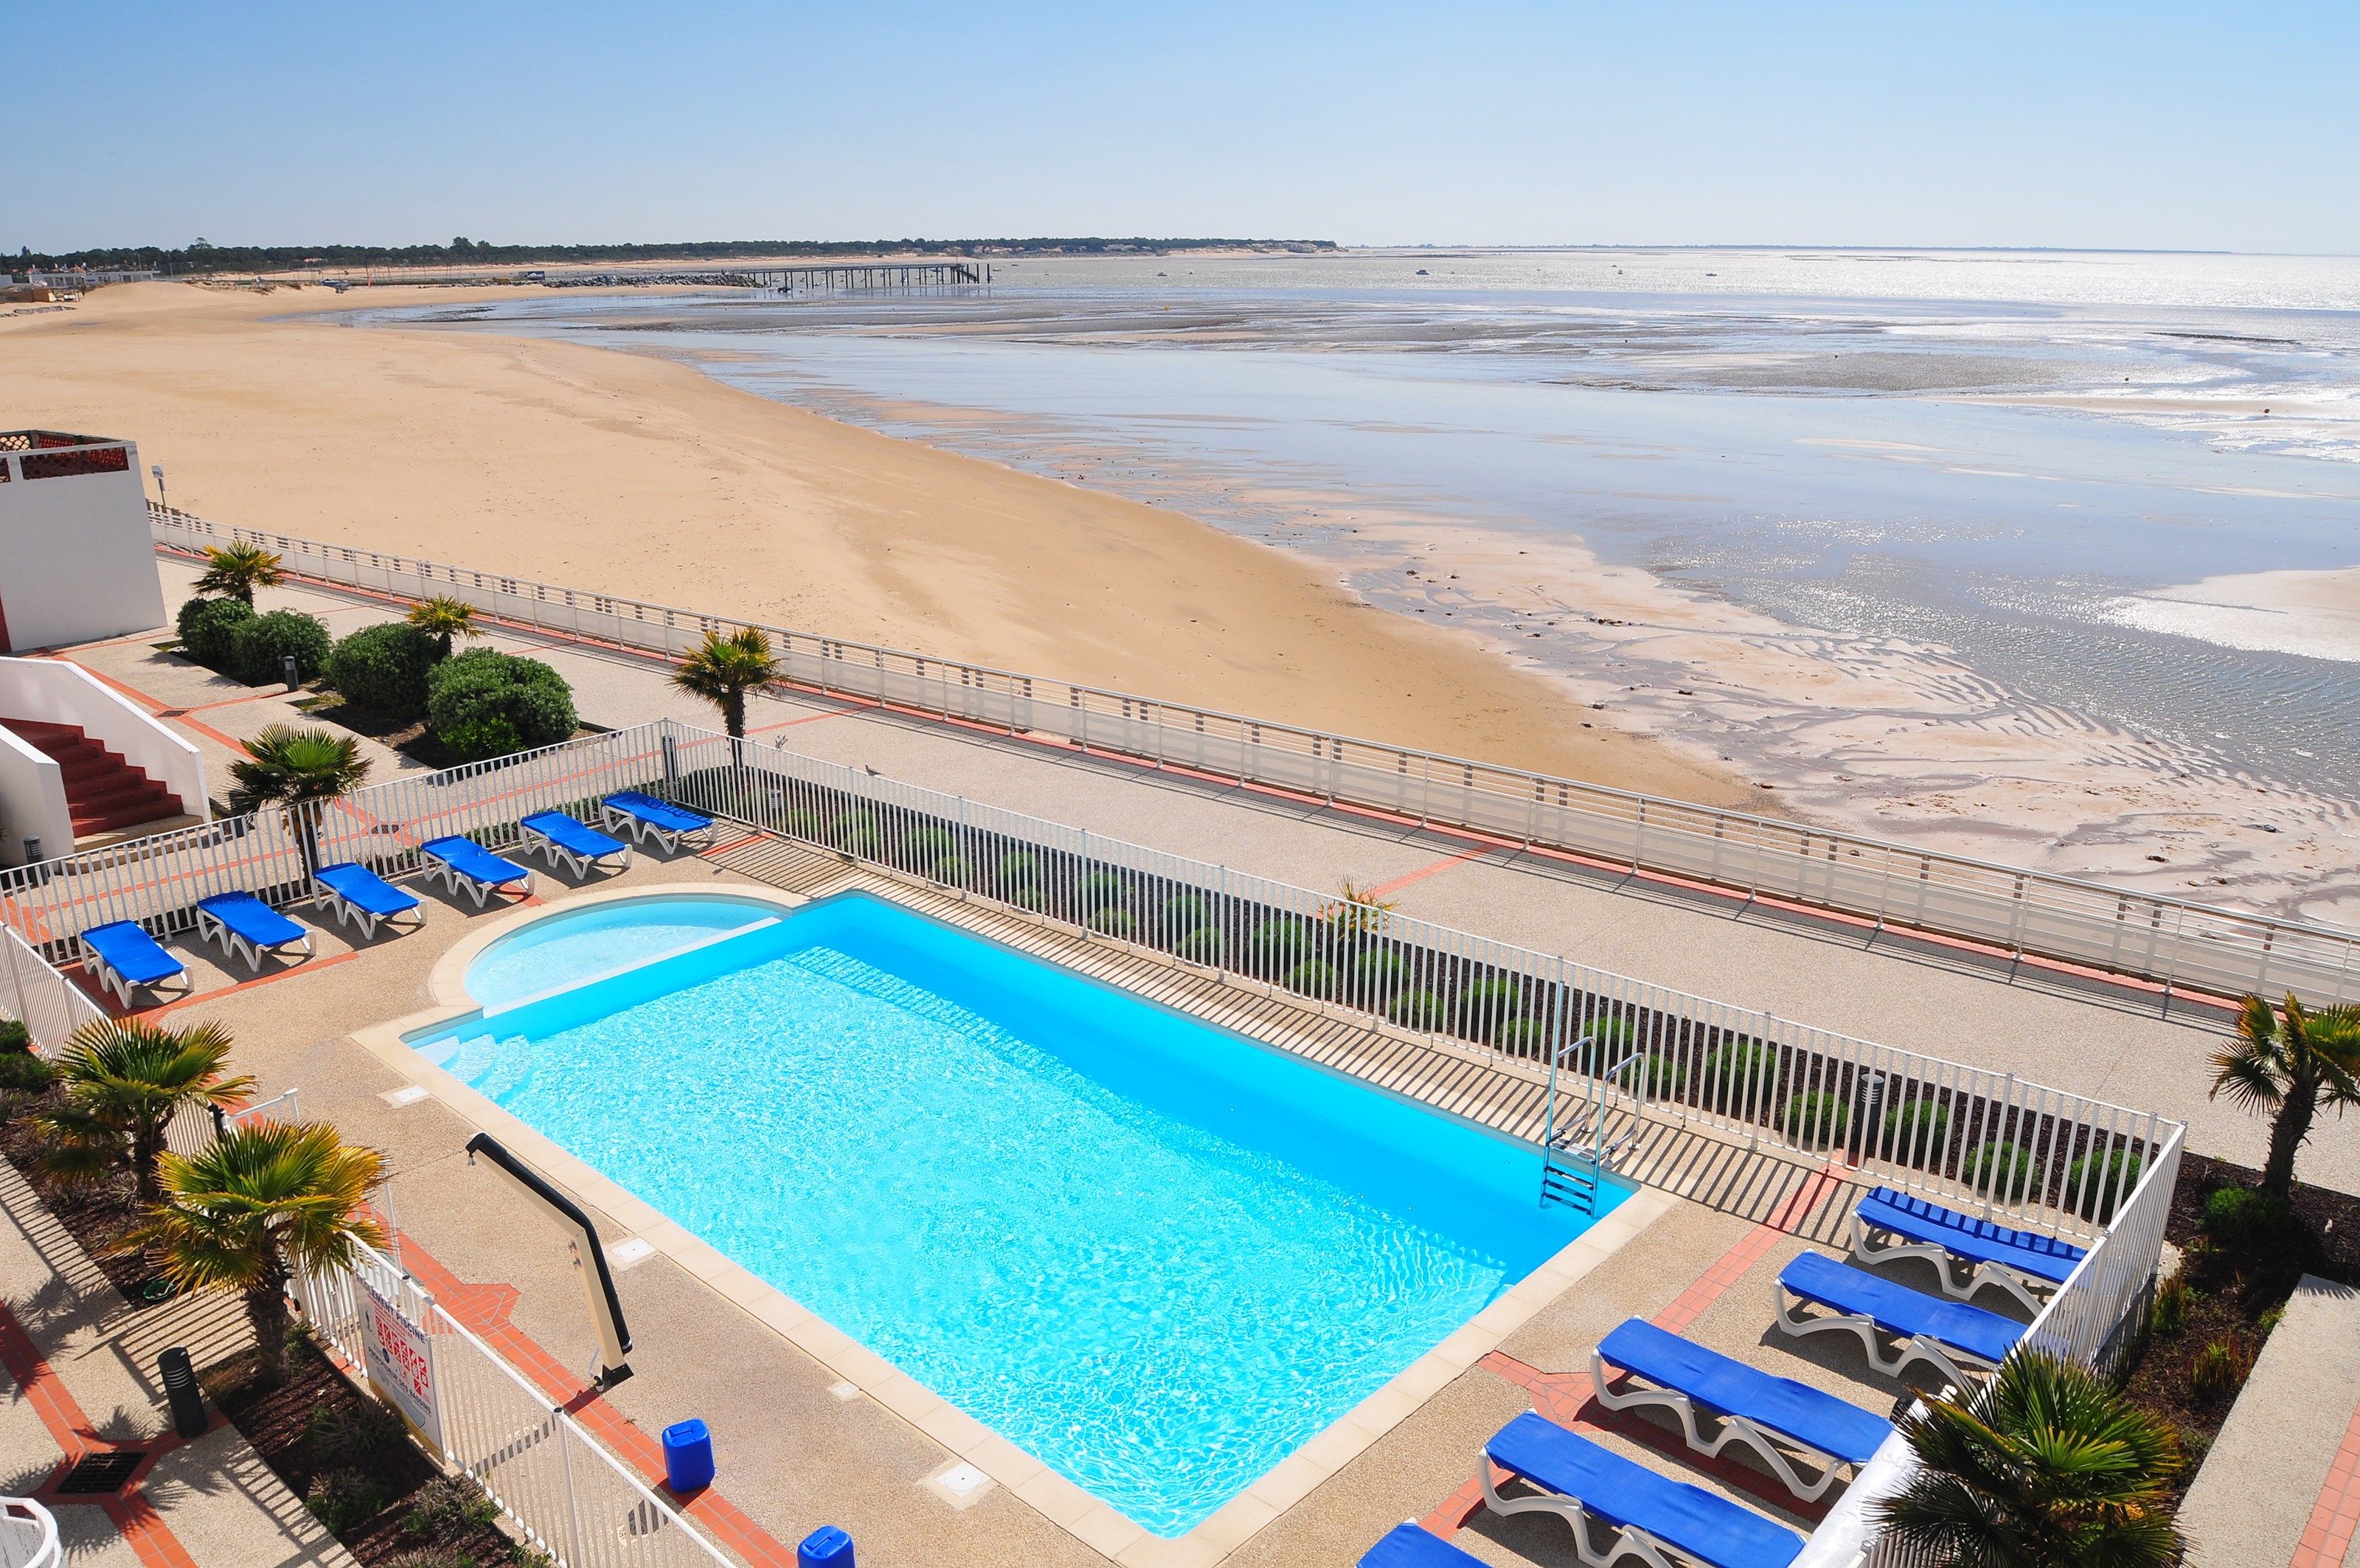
x: 565, y: 1493
x: 2175, y: 943
x: 49, y: 1005
x: 1989, y: 1141
x: 193, y: 1128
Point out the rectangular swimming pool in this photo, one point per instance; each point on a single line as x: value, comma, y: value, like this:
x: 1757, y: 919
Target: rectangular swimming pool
x: 1152, y: 1254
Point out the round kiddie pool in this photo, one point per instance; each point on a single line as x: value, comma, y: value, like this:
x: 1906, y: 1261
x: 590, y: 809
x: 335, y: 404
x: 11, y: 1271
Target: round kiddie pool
x: 567, y: 947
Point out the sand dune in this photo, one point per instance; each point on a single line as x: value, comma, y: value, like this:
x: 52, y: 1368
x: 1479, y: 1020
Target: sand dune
x: 634, y: 476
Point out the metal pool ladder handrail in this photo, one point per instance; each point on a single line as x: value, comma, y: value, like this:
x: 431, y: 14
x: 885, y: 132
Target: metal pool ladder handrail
x: 1573, y: 1180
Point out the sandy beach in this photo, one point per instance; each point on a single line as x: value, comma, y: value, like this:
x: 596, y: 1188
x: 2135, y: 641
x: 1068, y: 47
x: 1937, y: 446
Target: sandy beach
x: 635, y: 475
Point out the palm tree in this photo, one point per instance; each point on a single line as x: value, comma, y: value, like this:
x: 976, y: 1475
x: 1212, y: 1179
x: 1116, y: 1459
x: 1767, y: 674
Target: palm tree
x: 1357, y: 910
x: 265, y: 1200
x: 2286, y: 1065
x: 237, y: 570
x: 125, y: 1080
x: 2043, y: 1467
x: 444, y: 619
x: 725, y: 667
x: 296, y: 769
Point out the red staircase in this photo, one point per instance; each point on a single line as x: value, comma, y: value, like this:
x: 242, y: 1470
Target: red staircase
x: 102, y: 791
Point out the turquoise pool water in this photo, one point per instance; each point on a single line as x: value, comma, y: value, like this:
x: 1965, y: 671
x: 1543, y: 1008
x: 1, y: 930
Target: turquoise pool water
x: 569, y: 948
x: 1154, y: 1255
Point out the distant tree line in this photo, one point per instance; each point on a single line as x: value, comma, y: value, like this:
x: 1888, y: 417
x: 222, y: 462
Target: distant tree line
x: 202, y: 257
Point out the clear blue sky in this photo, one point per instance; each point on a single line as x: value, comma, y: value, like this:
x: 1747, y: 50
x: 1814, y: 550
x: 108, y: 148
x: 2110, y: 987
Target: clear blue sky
x: 2228, y: 126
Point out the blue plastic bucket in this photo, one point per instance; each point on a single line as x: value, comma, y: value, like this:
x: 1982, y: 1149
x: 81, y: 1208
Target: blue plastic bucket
x: 688, y: 1457
x: 826, y: 1547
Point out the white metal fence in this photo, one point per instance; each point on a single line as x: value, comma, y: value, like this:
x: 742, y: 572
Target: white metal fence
x: 49, y: 1005
x: 565, y: 1492
x: 2175, y: 943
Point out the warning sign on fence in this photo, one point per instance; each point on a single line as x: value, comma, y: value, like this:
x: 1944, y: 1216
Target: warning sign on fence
x: 400, y: 1365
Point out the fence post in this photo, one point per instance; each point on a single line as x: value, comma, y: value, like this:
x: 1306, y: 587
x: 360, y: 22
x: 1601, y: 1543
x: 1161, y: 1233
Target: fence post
x: 572, y: 1509
x: 16, y: 983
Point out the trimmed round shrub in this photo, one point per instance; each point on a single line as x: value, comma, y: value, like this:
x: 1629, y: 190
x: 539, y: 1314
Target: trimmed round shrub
x: 1377, y: 974
x: 1655, y: 1073
x: 383, y: 668
x: 22, y: 1072
x: 1527, y: 1037
x: 802, y: 822
x: 1488, y: 1005
x: 208, y: 626
x: 259, y: 648
x: 1415, y: 1010
x: 2246, y: 1219
x: 1815, y: 1118
x: 952, y: 871
x: 2002, y: 1169
x: 2096, y: 1184
x: 1100, y: 889
x: 1740, y: 1070
x: 1606, y: 1040
x: 856, y: 833
x: 1915, y: 1130
x: 1185, y: 912
x: 1313, y: 976
x: 1027, y: 898
x: 1205, y: 945
x: 484, y: 703
x: 1112, y: 922
x: 1282, y: 943
x: 926, y: 845
x: 1018, y: 868
x: 14, y: 1038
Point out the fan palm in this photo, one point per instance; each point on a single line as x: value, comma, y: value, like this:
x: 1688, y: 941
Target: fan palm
x: 267, y: 1198
x: 725, y: 667
x: 443, y: 620
x: 2043, y: 1467
x: 124, y: 1080
x: 296, y: 769
x: 237, y: 570
x: 2286, y: 1065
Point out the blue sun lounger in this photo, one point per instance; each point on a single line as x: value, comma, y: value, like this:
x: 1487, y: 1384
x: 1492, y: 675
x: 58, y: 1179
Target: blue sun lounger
x: 122, y: 955
x: 644, y: 817
x: 1945, y: 1334
x: 1777, y: 1416
x: 1412, y: 1546
x: 461, y: 862
x: 353, y: 892
x: 2021, y: 1263
x: 247, y: 928
x: 571, y: 843
x: 1655, y: 1518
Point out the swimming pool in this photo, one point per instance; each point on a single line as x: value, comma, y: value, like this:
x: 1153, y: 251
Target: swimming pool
x: 1155, y: 1256
x: 569, y: 947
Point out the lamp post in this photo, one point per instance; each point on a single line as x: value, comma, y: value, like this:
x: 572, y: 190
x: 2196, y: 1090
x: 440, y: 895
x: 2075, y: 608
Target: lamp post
x: 158, y: 469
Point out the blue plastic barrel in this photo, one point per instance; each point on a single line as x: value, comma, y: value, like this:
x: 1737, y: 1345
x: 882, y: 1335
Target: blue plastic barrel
x: 826, y: 1547
x: 688, y: 1457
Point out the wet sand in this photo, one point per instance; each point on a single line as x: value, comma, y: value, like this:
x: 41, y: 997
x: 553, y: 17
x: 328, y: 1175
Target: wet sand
x: 643, y: 478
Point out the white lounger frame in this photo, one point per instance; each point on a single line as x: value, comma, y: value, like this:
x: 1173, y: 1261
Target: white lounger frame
x: 1629, y: 1540
x: 2017, y: 1284
x: 211, y: 926
x: 345, y: 909
x: 1763, y: 1440
x: 1906, y: 1348
x: 111, y: 978
x: 614, y: 818
x: 560, y: 855
x: 455, y: 879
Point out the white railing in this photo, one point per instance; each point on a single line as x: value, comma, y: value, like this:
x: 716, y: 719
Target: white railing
x: 49, y: 1005
x: 2175, y: 943
x: 564, y: 1492
x: 1989, y: 1141
x: 55, y: 691
x: 29, y: 1535
x: 193, y: 1129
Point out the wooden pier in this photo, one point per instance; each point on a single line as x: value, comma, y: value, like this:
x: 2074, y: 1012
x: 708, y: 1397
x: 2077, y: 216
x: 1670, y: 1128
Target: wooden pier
x: 868, y: 276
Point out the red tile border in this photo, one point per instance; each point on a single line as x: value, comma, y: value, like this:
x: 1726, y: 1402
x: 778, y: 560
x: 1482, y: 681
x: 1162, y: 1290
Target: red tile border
x: 1444, y: 864
x: 2327, y: 1538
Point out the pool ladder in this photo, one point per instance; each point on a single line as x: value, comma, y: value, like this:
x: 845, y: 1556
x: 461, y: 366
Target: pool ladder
x: 1574, y: 1156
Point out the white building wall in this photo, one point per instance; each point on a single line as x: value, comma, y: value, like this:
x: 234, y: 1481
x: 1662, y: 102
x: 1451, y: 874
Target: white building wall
x: 76, y: 561
x: 56, y: 691
x: 32, y: 803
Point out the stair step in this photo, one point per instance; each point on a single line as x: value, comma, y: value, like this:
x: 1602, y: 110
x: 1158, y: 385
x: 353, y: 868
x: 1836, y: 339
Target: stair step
x: 103, y: 791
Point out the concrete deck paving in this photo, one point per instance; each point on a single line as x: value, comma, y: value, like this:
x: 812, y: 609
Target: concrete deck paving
x: 2281, y: 1484
x: 2101, y: 1041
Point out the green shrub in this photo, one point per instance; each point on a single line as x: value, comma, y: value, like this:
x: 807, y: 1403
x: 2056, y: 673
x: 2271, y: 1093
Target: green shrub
x: 1377, y: 974
x: 1282, y: 943
x: 2246, y: 1219
x: 1607, y: 1040
x: 208, y: 626
x: 802, y: 822
x: 1527, y: 1037
x: 1656, y: 1074
x: 1102, y: 888
x: 1027, y: 898
x: 951, y: 871
x: 1313, y: 976
x: 1112, y: 922
x: 1488, y: 1005
x: 1816, y: 1117
x: 342, y: 1498
x: 1018, y: 868
x: 1740, y: 1070
x: 383, y: 669
x: 14, y: 1038
x: 352, y: 1437
x: 2169, y: 1313
x: 1205, y: 945
x: 22, y: 1072
x: 926, y: 845
x: 445, y: 1504
x: 856, y: 833
x: 2219, y: 1371
x: 1917, y: 1130
x: 259, y: 648
x: 2002, y: 1169
x: 2097, y: 1184
x: 1185, y: 912
x: 1415, y: 1010
x: 484, y: 703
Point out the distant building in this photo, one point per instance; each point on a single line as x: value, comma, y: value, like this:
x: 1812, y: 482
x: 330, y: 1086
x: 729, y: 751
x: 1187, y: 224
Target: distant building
x: 77, y: 562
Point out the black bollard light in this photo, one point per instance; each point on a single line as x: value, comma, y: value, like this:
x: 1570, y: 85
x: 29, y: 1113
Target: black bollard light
x: 180, y: 1391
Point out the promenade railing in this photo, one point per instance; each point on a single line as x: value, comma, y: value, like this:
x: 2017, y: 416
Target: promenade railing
x: 2177, y: 944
